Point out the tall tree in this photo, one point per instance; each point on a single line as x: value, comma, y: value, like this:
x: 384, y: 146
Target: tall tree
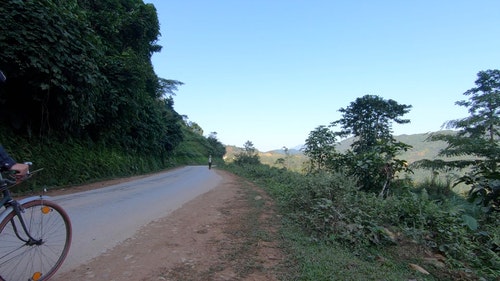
x: 216, y: 148
x: 249, y: 155
x: 83, y: 69
x: 369, y: 119
x: 52, y: 58
x: 320, y: 148
x: 373, y: 156
x: 478, y: 137
x: 479, y: 133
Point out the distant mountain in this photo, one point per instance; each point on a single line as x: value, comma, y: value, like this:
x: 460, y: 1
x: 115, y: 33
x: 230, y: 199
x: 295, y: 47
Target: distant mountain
x: 291, y: 151
x: 294, y: 161
x: 298, y: 147
x: 422, y: 149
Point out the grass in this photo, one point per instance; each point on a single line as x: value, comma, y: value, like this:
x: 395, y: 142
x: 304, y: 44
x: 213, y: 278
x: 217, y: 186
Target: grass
x: 311, y: 259
x: 251, y: 228
x: 330, y: 231
x: 319, y: 260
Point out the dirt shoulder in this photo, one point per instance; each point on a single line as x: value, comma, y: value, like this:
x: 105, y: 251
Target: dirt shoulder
x: 228, y: 233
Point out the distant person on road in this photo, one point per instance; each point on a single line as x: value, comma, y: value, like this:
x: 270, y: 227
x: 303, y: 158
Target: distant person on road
x: 210, y: 162
x: 7, y: 163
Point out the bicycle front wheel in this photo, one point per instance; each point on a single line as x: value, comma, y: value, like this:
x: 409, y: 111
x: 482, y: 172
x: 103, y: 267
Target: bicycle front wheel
x: 38, y: 259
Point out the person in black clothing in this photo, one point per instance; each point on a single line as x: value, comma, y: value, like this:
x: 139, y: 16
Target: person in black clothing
x: 7, y: 163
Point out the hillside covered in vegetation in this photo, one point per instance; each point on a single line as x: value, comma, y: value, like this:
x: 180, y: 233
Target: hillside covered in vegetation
x: 82, y: 100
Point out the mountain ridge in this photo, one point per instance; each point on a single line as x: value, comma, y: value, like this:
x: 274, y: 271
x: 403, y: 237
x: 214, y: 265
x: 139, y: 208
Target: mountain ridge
x: 421, y: 149
x: 415, y: 140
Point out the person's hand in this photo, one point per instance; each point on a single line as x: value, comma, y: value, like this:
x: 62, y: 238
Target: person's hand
x: 21, y: 171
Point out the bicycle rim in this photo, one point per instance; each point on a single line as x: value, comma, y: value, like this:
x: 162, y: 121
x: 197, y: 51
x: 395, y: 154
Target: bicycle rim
x: 45, y: 220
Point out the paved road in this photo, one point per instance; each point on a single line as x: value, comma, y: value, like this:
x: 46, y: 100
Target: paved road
x: 104, y: 217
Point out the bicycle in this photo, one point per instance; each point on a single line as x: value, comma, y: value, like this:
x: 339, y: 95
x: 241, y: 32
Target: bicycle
x: 35, y: 235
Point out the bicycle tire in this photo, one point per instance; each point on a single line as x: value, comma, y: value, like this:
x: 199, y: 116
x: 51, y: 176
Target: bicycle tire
x: 45, y: 220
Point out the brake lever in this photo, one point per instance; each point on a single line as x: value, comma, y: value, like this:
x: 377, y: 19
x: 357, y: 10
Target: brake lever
x: 35, y: 171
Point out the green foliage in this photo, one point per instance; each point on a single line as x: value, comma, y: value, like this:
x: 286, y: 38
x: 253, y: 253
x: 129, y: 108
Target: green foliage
x: 478, y: 137
x: 82, y: 69
x: 80, y: 161
x: 485, y: 187
x: 369, y: 120
x: 77, y: 162
x: 330, y: 209
x: 378, y: 168
x: 320, y: 149
x: 195, y: 148
x: 248, y: 156
x: 436, y: 188
x: 372, y: 157
x: 51, y: 56
x: 217, y: 149
x: 326, y: 261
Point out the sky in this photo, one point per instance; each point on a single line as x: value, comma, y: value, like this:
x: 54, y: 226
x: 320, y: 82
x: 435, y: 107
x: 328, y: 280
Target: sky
x: 271, y: 71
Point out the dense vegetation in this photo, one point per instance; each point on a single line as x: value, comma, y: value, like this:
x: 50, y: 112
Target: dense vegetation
x: 82, y: 69
x: 337, y: 232
x: 478, y: 136
x: 355, y: 202
x: 82, y: 99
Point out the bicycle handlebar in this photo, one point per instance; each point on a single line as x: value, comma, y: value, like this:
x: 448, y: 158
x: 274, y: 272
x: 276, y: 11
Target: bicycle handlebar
x: 7, y: 181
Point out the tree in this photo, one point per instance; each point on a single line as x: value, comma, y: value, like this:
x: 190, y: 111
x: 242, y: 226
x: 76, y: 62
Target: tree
x: 216, y: 149
x: 248, y: 156
x: 478, y: 138
x: 320, y: 148
x: 283, y: 161
x: 372, y: 158
x: 369, y: 119
x: 195, y: 128
x: 52, y: 58
x: 82, y: 69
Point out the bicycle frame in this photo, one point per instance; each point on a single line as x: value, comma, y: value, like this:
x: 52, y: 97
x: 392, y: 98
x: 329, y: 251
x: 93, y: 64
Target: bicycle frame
x: 12, y: 205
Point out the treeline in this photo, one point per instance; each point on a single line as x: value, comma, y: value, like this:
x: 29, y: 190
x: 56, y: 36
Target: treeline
x: 80, y: 73
x: 374, y: 156
x: 82, y: 69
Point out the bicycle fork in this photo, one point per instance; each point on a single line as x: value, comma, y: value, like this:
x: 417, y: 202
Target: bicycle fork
x: 30, y: 241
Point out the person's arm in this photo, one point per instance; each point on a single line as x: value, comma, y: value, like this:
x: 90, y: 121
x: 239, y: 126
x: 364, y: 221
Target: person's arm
x: 6, y: 162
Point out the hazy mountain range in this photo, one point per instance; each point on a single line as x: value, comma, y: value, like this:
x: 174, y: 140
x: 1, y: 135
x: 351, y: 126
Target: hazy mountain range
x: 422, y: 149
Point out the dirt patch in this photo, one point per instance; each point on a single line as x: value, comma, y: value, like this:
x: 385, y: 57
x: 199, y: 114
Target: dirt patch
x: 228, y: 233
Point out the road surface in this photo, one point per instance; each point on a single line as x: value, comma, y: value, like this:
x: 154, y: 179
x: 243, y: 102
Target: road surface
x: 104, y: 217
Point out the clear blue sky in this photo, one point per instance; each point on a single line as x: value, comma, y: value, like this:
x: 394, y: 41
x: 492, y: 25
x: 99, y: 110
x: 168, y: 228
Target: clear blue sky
x: 271, y: 71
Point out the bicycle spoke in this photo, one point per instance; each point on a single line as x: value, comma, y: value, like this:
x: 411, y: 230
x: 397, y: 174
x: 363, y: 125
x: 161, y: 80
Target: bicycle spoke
x: 43, y: 252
